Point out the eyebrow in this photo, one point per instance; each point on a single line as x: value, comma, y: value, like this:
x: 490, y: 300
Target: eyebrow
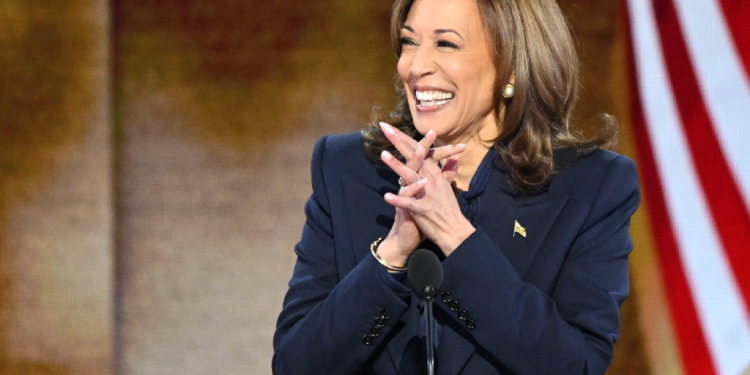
x: 443, y: 31
x: 437, y: 32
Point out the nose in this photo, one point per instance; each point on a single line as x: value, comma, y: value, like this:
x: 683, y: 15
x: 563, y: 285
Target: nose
x: 423, y: 61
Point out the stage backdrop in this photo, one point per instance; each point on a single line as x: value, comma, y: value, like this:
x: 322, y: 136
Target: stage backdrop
x: 154, y: 164
x: 691, y: 103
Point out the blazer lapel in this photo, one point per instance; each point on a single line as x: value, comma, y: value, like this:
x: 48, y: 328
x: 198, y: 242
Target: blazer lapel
x: 369, y: 216
x: 536, y: 219
x: 504, y: 206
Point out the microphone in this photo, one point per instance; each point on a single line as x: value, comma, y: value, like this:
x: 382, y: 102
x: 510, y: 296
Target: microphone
x: 425, y: 274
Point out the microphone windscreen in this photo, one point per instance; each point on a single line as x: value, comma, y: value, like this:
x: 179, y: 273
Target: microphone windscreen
x: 425, y: 273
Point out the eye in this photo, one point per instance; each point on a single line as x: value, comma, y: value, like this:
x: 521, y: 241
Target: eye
x: 446, y: 44
x: 405, y: 41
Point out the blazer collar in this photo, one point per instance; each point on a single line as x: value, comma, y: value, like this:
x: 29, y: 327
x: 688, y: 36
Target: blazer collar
x: 505, y: 186
x: 563, y: 158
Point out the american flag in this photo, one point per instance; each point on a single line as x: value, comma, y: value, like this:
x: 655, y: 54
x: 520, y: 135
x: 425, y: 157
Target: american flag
x: 691, y: 115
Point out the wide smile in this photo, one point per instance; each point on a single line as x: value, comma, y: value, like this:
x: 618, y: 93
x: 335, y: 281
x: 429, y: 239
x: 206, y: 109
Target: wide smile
x: 432, y: 100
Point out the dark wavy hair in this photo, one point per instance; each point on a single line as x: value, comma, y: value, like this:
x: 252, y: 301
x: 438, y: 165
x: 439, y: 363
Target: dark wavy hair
x: 531, y: 41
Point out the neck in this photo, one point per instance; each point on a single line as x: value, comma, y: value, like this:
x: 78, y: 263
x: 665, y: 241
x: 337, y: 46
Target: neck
x: 469, y: 160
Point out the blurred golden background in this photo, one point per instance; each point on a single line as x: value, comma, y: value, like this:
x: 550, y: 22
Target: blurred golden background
x: 154, y: 164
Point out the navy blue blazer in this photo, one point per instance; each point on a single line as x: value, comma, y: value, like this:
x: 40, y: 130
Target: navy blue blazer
x: 546, y: 303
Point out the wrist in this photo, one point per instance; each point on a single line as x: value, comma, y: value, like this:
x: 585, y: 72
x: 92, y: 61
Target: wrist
x: 391, y: 252
x: 455, y: 238
x: 382, y: 251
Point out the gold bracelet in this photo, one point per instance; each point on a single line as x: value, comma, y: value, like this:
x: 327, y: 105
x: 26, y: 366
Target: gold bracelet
x: 374, y: 251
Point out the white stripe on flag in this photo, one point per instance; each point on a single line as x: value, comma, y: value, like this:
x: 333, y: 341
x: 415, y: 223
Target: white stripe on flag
x: 724, y: 82
x: 720, y: 307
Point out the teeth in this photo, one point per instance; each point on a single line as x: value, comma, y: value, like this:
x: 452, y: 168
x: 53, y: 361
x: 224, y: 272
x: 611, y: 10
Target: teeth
x: 433, y: 103
x: 434, y: 95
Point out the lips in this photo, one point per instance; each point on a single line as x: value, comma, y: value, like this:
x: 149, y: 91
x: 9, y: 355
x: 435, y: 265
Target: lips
x: 432, y: 99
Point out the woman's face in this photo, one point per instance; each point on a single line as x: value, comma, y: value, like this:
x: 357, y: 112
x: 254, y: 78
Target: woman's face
x: 446, y: 68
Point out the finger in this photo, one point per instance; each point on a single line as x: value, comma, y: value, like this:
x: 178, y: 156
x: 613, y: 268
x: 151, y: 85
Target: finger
x: 394, y: 200
x: 424, y: 143
x: 428, y: 139
x: 450, y: 168
x: 398, y: 133
x: 444, y: 152
x: 402, y: 142
x: 408, y: 175
x: 431, y: 171
x: 416, y: 161
x: 389, y: 129
x: 413, y: 189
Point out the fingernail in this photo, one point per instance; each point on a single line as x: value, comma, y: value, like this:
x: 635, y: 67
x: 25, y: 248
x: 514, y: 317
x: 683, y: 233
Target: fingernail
x: 422, y: 181
x: 386, y: 155
x: 387, y: 128
x: 389, y: 196
x: 461, y: 145
x: 429, y: 132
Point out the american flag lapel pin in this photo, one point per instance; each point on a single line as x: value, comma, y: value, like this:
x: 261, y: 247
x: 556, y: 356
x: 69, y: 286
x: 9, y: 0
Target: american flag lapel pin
x: 517, y: 228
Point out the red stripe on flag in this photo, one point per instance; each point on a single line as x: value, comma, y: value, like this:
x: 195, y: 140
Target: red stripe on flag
x: 690, y: 338
x: 720, y: 189
x: 736, y: 13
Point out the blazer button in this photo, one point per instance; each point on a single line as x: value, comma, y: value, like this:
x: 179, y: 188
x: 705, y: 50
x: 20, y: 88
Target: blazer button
x: 446, y: 297
x: 385, y: 314
x: 463, y: 315
x: 379, y: 323
x: 455, y: 306
x: 471, y: 325
x: 368, y: 340
x: 375, y: 332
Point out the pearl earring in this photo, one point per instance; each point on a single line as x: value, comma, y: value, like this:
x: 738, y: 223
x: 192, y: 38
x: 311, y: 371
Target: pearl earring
x: 508, y: 91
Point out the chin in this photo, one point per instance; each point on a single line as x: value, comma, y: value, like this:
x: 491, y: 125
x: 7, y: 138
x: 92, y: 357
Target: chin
x: 421, y: 127
x: 424, y: 126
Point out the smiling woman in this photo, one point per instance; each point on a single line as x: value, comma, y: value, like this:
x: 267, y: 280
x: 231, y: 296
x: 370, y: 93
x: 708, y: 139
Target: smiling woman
x: 532, y: 55
x: 480, y: 150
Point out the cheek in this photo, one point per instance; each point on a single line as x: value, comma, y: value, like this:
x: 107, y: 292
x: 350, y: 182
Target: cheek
x: 403, y: 72
x: 403, y: 68
x: 489, y: 89
x: 483, y: 84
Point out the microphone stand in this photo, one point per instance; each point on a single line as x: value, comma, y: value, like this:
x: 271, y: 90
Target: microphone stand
x: 430, y: 326
x: 425, y: 276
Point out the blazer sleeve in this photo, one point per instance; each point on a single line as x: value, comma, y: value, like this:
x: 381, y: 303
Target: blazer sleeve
x: 325, y: 322
x: 571, y: 331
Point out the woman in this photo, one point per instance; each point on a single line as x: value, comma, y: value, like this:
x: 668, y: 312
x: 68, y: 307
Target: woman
x: 530, y: 221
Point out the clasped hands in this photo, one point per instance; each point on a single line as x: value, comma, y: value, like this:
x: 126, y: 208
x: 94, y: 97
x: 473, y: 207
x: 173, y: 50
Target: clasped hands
x: 426, y: 206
